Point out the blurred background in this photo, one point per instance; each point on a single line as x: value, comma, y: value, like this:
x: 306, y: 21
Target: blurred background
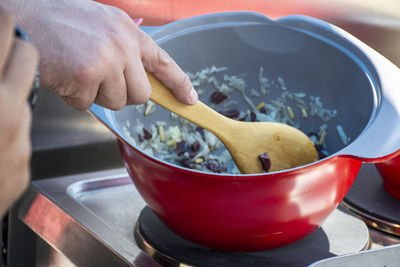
x: 375, y: 22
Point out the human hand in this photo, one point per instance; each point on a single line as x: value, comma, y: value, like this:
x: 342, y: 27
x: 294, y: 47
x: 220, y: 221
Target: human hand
x: 94, y: 53
x: 18, y: 61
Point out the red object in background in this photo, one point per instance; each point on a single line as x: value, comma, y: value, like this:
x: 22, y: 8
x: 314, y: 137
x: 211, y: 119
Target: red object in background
x: 390, y: 173
x: 241, y: 213
x: 156, y: 12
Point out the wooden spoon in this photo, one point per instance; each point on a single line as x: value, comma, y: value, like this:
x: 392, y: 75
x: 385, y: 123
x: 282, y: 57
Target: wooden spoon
x: 287, y: 147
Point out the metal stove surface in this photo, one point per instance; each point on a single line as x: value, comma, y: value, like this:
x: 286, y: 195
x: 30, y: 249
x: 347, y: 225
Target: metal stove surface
x: 90, y: 219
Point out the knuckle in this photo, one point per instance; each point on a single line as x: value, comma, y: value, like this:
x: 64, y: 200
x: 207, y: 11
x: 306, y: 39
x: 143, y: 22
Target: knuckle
x: 62, y: 91
x: 120, y: 103
x: 84, y: 73
x: 89, y: 68
x: 149, y: 61
x: 163, y: 59
x: 184, y: 82
x: 117, y: 102
x: 114, y: 98
x: 154, y: 58
x: 117, y: 105
x: 78, y: 103
x: 156, y: 61
x: 142, y: 98
x: 83, y: 106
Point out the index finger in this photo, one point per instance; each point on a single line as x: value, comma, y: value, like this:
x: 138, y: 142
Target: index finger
x: 158, y: 62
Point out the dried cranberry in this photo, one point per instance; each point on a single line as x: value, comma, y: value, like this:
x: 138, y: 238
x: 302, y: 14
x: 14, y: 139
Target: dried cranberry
x: 213, y: 165
x: 263, y: 110
x: 223, y: 169
x: 146, y: 134
x: 192, y: 154
x: 195, y: 146
x: 180, y: 148
x: 200, y: 130
x: 253, y: 116
x: 233, y: 113
x: 186, y: 163
x: 217, y: 97
x: 265, y: 161
x: 140, y: 138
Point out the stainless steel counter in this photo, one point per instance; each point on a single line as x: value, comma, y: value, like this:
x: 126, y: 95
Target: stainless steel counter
x: 89, y: 220
x: 84, y: 224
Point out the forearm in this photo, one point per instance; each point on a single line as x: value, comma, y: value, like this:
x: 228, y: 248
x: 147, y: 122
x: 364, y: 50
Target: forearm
x: 32, y: 15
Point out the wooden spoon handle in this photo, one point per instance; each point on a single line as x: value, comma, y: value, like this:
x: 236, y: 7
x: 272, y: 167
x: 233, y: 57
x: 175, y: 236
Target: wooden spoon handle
x: 199, y: 113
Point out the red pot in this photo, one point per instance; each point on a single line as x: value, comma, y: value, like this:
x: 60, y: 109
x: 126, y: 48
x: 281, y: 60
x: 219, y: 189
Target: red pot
x: 263, y: 211
x: 240, y: 213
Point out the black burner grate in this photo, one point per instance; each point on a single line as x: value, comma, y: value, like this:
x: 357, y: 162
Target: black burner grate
x: 171, y: 250
x: 368, y: 198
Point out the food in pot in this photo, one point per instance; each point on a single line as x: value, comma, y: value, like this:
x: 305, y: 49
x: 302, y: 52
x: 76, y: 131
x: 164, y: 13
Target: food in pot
x: 265, y: 161
x: 183, y: 143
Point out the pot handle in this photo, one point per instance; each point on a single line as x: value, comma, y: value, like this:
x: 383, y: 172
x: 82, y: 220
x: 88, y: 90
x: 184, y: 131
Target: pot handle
x: 380, y: 140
